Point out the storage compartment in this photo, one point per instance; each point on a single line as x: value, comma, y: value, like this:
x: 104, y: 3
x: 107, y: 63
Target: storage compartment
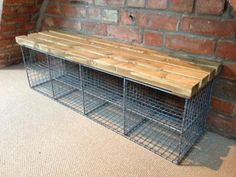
x: 66, y: 83
x: 154, y: 105
x: 165, y: 124
x: 103, y: 98
x: 37, y: 67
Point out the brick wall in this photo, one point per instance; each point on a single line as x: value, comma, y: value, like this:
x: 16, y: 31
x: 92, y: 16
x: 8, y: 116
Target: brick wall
x: 17, y: 17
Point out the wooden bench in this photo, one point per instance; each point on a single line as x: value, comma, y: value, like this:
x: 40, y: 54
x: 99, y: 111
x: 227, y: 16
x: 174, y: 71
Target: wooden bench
x: 182, y: 77
x: 158, y: 101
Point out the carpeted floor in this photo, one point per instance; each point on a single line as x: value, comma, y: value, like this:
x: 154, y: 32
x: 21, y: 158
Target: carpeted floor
x: 42, y: 138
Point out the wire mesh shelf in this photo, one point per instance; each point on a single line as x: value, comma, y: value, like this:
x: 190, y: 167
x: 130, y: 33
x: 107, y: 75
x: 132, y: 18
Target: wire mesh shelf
x: 160, y: 122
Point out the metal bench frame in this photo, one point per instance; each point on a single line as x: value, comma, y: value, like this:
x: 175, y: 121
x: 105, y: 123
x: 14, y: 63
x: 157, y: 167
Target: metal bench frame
x: 154, y: 118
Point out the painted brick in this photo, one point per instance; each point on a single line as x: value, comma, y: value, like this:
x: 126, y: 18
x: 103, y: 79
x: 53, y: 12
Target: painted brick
x: 181, y: 5
x: 154, y: 4
x: 136, y: 3
x: 226, y: 50
x: 157, y: 21
x: 110, y: 16
x: 204, y: 26
x: 190, y: 45
x: 212, y: 7
x: 153, y: 38
x: 124, y: 33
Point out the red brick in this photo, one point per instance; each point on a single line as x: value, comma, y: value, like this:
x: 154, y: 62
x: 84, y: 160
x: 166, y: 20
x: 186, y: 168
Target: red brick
x: 9, y: 10
x: 181, y: 5
x: 124, y: 33
x: 157, y: 21
x: 7, y: 28
x: 225, y: 88
x: 61, y: 23
x: 16, y: 2
x: 204, y: 26
x: 26, y: 10
x: 226, y: 50
x: 222, y: 125
x: 6, y: 43
x: 212, y: 7
x: 127, y: 18
x: 223, y: 106
x: 229, y: 71
x: 154, y: 4
x: 54, y: 9
x: 190, y: 45
x: 153, y: 38
x: 16, y: 19
x: 94, y: 28
x: 74, y: 11
x: 25, y: 26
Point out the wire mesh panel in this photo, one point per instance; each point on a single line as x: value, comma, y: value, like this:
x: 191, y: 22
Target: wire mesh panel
x: 37, y: 68
x: 194, y: 119
x: 66, y: 82
x: 153, y: 119
x: 103, y: 98
x: 165, y: 124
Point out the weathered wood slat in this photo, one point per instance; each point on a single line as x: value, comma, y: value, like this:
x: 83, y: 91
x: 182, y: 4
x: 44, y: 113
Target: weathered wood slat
x: 182, y: 77
x: 199, y: 62
x: 131, y: 56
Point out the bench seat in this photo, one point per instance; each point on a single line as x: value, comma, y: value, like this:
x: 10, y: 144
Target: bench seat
x: 178, y: 76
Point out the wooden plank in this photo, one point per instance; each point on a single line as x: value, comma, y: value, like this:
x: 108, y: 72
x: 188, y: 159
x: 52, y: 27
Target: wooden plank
x: 158, y: 79
x: 181, y: 76
x: 163, y: 74
x: 154, y: 57
x: 166, y: 69
x: 207, y: 65
x: 123, y: 53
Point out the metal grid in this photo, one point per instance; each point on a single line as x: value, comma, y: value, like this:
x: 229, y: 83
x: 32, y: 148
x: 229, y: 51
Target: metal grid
x: 103, y: 98
x: 163, y: 123
x: 37, y: 68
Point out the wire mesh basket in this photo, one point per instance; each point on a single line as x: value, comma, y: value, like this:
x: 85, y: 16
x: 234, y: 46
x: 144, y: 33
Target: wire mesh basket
x: 103, y: 98
x: 165, y: 124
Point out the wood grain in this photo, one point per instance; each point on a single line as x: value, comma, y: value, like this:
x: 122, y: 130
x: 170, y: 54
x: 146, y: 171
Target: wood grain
x: 182, y: 77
